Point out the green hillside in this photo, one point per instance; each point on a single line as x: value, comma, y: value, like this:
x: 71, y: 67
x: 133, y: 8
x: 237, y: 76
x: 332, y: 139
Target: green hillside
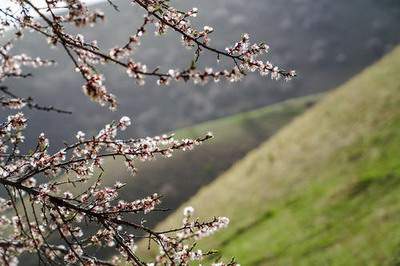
x: 180, y: 177
x: 325, y: 189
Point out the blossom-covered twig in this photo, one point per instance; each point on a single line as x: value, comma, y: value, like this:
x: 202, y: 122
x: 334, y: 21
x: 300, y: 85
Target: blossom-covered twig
x: 11, y: 101
x: 244, y: 55
x: 64, y: 213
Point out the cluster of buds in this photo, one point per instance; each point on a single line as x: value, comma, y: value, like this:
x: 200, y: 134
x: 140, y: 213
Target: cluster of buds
x: 170, y: 17
x: 78, y: 13
x: 248, y: 54
x: 175, y: 246
x: 134, y: 41
x: 136, y: 70
x: 13, y: 103
x: 11, y: 65
x: 95, y: 89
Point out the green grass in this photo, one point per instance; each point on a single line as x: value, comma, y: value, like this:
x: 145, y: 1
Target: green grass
x: 325, y: 190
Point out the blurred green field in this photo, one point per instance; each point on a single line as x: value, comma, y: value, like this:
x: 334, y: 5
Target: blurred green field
x: 325, y: 190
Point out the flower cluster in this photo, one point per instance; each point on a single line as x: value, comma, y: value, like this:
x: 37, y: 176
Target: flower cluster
x: 175, y: 245
x: 134, y: 41
x: 78, y: 13
x: 11, y: 101
x: 95, y: 89
x: 249, y: 53
x: 11, y: 65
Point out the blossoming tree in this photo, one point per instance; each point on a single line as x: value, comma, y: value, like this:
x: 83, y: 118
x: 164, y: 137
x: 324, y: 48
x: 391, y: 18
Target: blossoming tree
x: 39, y: 215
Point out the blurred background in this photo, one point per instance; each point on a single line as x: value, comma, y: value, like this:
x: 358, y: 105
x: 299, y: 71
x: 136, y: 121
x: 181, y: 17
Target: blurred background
x: 307, y: 170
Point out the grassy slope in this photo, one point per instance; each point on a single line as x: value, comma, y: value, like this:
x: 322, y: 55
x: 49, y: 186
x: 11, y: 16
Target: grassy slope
x: 324, y: 190
x: 179, y: 178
